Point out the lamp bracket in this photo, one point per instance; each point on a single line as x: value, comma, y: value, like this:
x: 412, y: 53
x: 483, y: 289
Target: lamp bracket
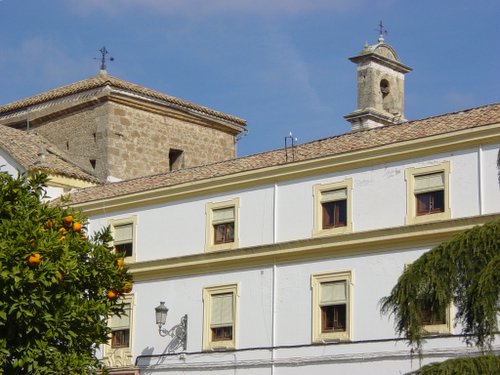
x: 178, y: 332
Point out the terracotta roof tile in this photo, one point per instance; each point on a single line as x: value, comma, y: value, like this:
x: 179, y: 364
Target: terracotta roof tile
x: 34, y: 152
x: 103, y: 80
x: 476, y: 117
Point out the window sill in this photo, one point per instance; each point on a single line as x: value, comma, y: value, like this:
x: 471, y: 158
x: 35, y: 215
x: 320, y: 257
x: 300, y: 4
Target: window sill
x: 436, y: 329
x: 222, y: 246
x: 332, y: 231
x: 429, y: 218
x: 220, y: 348
x: 331, y: 340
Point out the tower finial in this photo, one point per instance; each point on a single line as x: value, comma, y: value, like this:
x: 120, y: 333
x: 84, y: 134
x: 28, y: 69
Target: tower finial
x: 381, y: 31
x: 104, y: 52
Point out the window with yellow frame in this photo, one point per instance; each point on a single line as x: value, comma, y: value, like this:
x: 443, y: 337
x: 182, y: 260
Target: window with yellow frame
x: 428, y: 193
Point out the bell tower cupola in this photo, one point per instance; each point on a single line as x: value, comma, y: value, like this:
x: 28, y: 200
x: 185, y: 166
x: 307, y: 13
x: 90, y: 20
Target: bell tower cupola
x: 380, y: 87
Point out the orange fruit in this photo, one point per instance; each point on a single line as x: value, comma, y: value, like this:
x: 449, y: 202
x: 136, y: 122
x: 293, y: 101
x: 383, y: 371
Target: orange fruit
x: 34, y: 259
x: 77, y: 226
x: 68, y: 220
x: 119, y: 263
x: 112, y: 294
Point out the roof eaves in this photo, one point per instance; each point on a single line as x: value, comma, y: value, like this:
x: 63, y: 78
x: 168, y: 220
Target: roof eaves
x: 332, y: 146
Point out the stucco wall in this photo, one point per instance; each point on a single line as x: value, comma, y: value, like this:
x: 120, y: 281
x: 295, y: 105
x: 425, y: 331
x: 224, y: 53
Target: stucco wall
x: 284, y: 212
x: 373, y: 346
x: 490, y: 186
x: 275, y: 300
x: 9, y: 165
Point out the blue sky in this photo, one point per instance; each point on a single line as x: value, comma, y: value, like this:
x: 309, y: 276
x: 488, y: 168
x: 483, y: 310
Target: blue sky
x: 282, y: 65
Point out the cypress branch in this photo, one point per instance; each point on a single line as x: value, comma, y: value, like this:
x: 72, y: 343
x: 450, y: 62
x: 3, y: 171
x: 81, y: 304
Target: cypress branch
x: 465, y: 271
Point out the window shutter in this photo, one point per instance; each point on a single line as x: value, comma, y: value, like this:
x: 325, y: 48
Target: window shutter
x: 123, y: 233
x: 333, y: 292
x: 333, y: 195
x: 222, y: 310
x: 429, y: 182
x: 223, y: 215
x: 122, y: 322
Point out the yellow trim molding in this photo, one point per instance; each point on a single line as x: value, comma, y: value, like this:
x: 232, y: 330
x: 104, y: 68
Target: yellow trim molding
x: 316, y: 280
x: 67, y: 182
x: 320, y: 189
x: 357, y: 243
x: 209, y: 227
x: 410, y: 174
x: 208, y: 293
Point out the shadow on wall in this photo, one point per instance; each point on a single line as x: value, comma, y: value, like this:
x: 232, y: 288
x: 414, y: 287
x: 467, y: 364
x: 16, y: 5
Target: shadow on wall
x: 147, y: 359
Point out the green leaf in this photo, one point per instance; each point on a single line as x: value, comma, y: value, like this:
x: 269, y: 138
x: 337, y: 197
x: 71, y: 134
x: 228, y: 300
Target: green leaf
x: 51, y: 315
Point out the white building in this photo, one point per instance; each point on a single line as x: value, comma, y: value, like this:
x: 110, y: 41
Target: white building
x: 279, y: 260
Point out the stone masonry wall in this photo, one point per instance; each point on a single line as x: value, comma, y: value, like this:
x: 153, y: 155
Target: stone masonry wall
x: 138, y: 142
x: 112, y: 139
x: 369, y: 95
x: 81, y: 135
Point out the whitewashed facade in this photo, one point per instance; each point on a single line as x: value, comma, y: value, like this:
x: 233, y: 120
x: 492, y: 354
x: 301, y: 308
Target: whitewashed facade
x: 280, y: 260
x: 279, y: 254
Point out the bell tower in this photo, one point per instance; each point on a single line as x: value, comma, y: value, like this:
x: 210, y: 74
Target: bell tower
x: 380, y: 87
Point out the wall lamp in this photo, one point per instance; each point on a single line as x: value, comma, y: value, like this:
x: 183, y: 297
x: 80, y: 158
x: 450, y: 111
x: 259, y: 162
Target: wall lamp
x: 177, y: 332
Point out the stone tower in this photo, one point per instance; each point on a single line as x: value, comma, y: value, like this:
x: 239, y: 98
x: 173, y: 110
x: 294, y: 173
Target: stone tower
x: 117, y: 130
x: 380, y: 87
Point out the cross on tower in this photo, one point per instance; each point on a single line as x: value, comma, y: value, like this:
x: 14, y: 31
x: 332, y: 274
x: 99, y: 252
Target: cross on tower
x: 381, y: 32
x: 104, y: 52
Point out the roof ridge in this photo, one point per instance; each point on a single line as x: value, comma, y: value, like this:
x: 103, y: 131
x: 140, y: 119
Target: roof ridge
x: 407, y: 122
x: 451, y: 113
x: 327, y: 147
x: 107, y: 80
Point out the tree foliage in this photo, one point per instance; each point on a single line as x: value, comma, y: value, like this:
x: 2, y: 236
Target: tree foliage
x: 465, y: 271
x: 481, y: 365
x: 54, y: 283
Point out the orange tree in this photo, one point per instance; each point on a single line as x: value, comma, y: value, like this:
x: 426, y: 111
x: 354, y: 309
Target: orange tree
x: 58, y: 284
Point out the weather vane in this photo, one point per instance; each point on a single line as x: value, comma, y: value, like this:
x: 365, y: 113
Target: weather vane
x: 381, y: 31
x: 104, y: 52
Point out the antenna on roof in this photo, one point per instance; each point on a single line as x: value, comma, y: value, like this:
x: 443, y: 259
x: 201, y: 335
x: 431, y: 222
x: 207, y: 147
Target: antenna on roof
x: 104, y: 52
x: 381, y: 32
x: 290, y: 142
